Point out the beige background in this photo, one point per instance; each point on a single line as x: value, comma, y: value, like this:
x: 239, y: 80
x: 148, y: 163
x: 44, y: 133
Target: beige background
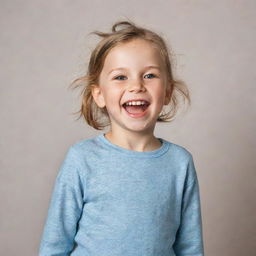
x: 45, y: 45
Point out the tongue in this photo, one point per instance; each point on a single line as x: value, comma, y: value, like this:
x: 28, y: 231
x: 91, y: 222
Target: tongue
x: 135, y: 109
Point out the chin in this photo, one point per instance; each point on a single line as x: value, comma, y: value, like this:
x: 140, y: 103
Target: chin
x: 140, y: 128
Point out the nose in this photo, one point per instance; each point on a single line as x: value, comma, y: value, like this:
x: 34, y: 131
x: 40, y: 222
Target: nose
x: 136, y: 85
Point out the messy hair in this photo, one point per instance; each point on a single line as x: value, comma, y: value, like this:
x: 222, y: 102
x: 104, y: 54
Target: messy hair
x: 124, y: 31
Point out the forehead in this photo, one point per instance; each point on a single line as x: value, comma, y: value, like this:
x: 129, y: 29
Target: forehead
x: 137, y: 51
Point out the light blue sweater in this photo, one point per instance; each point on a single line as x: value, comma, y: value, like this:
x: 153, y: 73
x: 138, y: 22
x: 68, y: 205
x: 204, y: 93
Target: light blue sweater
x: 111, y: 201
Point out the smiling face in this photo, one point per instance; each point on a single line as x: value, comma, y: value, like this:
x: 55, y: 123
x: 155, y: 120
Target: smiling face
x: 133, y: 71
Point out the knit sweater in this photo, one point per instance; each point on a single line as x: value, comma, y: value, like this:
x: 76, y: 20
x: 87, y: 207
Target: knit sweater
x: 112, y: 201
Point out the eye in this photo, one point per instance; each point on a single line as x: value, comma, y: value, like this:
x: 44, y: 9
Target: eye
x: 150, y: 76
x: 121, y: 77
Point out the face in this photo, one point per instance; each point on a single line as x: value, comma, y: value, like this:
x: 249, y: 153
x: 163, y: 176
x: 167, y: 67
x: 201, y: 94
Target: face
x: 133, y: 71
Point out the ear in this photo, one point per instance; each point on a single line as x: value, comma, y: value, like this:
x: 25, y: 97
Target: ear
x: 98, y: 96
x: 168, y: 95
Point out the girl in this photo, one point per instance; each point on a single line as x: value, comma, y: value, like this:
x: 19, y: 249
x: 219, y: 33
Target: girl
x: 126, y: 192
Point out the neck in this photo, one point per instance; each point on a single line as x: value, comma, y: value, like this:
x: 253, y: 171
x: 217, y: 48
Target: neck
x: 134, y: 141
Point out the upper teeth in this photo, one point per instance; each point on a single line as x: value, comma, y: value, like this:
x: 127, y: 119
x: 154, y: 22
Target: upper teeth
x: 136, y: 103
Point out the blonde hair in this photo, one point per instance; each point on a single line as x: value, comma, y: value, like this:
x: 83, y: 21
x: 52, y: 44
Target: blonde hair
x: 128, y: 31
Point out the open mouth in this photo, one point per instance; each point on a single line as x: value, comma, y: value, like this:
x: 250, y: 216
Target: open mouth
x: 136, y: 107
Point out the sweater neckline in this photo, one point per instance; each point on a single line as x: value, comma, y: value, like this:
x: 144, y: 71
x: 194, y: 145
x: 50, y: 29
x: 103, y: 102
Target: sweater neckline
x: 155, y: 153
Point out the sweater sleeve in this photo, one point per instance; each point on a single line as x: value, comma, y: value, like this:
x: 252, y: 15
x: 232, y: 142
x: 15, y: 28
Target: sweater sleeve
x: 189, y: 237
x: 65, y: 209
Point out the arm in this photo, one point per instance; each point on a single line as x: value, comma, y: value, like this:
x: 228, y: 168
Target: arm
x: 189, y: 237
x: 64, y: 211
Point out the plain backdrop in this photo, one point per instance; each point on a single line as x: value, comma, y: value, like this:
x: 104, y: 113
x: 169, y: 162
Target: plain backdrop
x: 45, y: 45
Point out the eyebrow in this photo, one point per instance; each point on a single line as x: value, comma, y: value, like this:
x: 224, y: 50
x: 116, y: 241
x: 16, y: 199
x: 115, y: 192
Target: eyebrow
x: 122, y: 68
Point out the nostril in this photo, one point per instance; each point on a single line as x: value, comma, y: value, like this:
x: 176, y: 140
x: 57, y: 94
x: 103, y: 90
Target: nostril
x: 136, y: 87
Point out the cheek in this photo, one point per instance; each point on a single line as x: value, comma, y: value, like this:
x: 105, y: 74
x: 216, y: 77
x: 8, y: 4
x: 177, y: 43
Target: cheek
x: 113, y: 99
x: 160, y: 95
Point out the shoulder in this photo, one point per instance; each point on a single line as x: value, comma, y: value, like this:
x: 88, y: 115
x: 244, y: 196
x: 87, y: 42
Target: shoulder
x: 85, y: 146
x: 183, y: 158
x: 179, y: 151
x: 74, y: 159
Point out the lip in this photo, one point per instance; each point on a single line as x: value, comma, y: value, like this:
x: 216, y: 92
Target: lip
x: 136, y: 115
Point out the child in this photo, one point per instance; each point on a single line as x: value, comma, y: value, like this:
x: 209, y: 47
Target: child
x: 126, y: 192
